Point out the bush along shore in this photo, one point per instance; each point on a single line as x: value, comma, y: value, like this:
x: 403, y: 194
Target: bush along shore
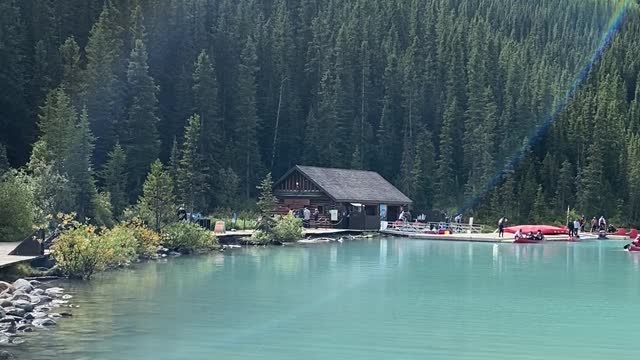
x: 80, y: 252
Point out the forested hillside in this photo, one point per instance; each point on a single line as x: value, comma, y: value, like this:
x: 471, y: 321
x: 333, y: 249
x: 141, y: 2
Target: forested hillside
x: 436, y: 95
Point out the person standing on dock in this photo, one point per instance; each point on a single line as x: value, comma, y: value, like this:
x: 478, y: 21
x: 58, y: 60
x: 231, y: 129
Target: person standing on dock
x: 570, y: 226
x: 316, y: 217
x: 576, y: 228
x: 501, y: 223
x: 594, y: 224
x: 602, y: 223
x: 306, y: 217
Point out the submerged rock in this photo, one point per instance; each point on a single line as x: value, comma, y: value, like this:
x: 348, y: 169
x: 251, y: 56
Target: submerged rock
x: 54, y: 291
x: 67, y: 297
x: 35, y: 315
x: 25, y: 328
x: 58, y: 302
x: 42, y: 308
x: 5, y: 355
x: 43, y: 322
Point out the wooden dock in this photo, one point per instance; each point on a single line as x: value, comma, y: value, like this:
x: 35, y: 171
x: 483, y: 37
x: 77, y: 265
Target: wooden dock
x: 7, y: 260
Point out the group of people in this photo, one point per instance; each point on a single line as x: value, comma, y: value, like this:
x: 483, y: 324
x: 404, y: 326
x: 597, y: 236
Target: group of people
x: 538, y: 236
x: 600, y: 225
x: 306, y: 216
x: 575, y: 226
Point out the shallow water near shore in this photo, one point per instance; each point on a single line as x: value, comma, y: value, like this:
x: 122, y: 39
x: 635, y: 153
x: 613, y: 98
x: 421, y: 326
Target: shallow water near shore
x: 372, y: 299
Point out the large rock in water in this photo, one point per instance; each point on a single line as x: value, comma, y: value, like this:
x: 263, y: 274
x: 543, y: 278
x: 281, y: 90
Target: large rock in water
x: 24, y: 285
x: 5, y: 355
x: 14, y: 311
x: 17, y: 297
x: 24, y: 305
x: 38, y: 292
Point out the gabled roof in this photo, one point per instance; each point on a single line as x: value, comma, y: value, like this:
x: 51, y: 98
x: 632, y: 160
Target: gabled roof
x: 358, y: 186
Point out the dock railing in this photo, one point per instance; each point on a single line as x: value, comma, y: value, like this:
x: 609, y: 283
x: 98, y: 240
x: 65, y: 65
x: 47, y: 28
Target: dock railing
x: 433, y: 227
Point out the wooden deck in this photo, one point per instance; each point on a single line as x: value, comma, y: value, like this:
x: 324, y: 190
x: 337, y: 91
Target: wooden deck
x: 305, y: 232
x: 6, y: 259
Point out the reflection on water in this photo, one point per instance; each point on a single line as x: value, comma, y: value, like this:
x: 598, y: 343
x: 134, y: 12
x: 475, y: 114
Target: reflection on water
x: 373, y: 299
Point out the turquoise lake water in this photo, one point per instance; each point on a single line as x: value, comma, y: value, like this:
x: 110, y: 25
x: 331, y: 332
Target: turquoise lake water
x: 375, y: 299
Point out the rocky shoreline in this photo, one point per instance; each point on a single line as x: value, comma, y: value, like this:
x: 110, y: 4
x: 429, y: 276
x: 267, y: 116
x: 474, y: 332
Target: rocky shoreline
x: 27, y: 306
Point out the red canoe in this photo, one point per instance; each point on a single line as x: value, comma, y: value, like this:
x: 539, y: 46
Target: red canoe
x: 634, y: 248
x: 546, y: 229
x: 526, y: 241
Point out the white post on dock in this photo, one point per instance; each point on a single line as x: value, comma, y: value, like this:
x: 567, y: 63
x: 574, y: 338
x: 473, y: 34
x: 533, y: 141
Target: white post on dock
x: 470, y: 225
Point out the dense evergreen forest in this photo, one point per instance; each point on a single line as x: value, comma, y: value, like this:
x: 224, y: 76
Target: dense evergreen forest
x: 436, y: 95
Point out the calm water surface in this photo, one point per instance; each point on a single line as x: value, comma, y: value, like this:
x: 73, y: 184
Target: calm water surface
x: 377, y: 299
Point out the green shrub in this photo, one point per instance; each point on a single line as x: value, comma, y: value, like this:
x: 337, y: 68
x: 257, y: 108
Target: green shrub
x: 147, y: 240
x: 285, y: 229
x: 121, y: 245
x: 187, y: 238
x: 16, y: 208
x: 80, y: 253
x: 103, y: 215
x: 261, y: 237
x: 288, y: 228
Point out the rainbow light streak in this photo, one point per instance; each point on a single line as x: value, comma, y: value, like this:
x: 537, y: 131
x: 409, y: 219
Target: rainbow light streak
x: 613, y: 28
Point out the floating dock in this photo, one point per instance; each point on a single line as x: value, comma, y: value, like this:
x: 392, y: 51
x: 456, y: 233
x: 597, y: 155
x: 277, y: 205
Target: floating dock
x: 473, y: 237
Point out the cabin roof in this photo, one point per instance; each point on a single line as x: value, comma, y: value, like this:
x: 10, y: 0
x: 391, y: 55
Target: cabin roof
x: 357, y: 186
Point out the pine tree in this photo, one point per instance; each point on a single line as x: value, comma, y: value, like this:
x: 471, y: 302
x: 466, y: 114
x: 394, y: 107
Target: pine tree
x: 312, y: 141
x: 564, y: 192
x: 114, y: 179
x: 192, y: 173
x: 205, y: 95
x: 57, y: 122
x: 267, y: 203
x: 540, y: 206
x: 71, y: 70
x: 103, y: 87
x: 633, y: 171
x: 157, y: 198
x: 445, y: 174
x: 174, y: 160
x: 4, y: 161
x: 422, y: 173
x: 246, y: 134
x: 14, y: 75
x: 139, y: 136
x: 79, y: 168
